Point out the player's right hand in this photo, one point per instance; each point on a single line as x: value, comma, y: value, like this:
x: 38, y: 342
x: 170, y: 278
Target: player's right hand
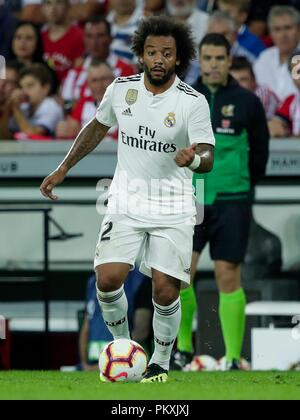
x: 186, y: 156
x: 51, y: 182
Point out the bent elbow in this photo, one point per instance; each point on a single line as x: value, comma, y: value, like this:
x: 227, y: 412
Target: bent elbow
x: 206, y: 166
x: 209, y: 166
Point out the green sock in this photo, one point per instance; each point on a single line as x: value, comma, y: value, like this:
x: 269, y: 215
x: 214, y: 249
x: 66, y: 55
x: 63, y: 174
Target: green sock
x: 233, y: 321
x: 188, y: 307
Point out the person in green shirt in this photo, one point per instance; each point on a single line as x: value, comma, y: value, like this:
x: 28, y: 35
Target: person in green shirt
x: 241, y: 156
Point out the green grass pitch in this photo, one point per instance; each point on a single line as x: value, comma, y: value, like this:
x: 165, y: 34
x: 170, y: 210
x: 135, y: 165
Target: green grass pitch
x: 181, y: 386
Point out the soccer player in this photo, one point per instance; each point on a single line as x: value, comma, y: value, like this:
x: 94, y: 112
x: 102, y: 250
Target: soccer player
x: 165, y: 135
x: 241, y: 156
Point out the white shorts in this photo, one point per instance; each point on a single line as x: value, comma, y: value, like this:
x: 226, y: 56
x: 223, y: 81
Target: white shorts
x: 167, y: 249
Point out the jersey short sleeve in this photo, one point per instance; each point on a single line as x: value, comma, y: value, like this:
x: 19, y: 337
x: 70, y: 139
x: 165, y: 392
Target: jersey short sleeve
x: 105, y: 113
x: 199, y: 123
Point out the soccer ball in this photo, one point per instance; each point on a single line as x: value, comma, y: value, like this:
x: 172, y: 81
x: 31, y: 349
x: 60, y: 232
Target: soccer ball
x: 244, y: 365
x: 122, y: 361
x: 202, y: 364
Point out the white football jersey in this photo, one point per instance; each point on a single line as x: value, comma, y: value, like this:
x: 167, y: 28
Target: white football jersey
x: 148, y: 186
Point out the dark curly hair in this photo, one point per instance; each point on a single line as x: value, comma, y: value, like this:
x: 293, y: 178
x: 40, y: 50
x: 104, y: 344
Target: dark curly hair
x: 39, y: 49
x: 165, y: 26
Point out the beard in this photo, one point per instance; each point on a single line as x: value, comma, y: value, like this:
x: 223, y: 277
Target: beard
x: 160, y: 82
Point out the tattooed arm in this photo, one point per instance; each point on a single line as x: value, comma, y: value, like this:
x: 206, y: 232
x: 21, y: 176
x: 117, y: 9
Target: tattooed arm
x: 185, y: 157
x: 87, y: 140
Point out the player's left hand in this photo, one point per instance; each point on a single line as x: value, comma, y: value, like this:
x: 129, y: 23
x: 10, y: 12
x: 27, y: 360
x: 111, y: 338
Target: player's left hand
x: 185, y: 157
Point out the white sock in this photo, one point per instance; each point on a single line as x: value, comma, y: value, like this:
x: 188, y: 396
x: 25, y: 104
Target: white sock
x: 166, y: 323
x: 114, y: 307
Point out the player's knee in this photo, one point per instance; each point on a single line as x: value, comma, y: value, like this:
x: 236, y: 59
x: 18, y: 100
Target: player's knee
x: 108, y: 281
x: 165, y: 289
x: 165, y: 296
x: 228, y: 278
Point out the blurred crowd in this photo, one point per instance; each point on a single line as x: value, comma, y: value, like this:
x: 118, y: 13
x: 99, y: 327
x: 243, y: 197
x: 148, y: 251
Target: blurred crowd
x: 61, y: 55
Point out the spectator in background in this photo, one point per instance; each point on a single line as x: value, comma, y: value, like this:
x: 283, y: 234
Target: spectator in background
x: 31, y: 11
x: 187, y: 11
x: 35, y: 113
x: 203, y: 5
x: 286, y: 122
x: 271, y: 69
x: 154, y: 7
x: 27, y: 48
x: 99, y: 77
x: 79, y: 10
x: 239, y: 11
x: 97, y: 41
x: 63, y: 42
x: 82, y: 10
x: 257, y: 21
x: 243, y: 72
x: 124, y: 19
x: 223, y: 24
x: 8, y: 24
x: 7, y: 87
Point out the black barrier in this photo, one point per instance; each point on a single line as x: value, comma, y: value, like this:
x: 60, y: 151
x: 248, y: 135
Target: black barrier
x: 45, y: 272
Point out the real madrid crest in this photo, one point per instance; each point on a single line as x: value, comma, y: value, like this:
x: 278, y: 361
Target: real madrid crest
x: 131, y: 96
x: 170, y: 120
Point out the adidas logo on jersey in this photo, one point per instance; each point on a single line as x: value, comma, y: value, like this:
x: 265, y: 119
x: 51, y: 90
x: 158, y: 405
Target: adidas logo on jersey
x: 127, y: 112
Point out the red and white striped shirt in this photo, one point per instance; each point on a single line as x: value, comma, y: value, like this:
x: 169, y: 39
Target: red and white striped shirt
x: 75, y: 85
x: 85, y: 110
x: 289, y: 111
x: 269, y: 100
